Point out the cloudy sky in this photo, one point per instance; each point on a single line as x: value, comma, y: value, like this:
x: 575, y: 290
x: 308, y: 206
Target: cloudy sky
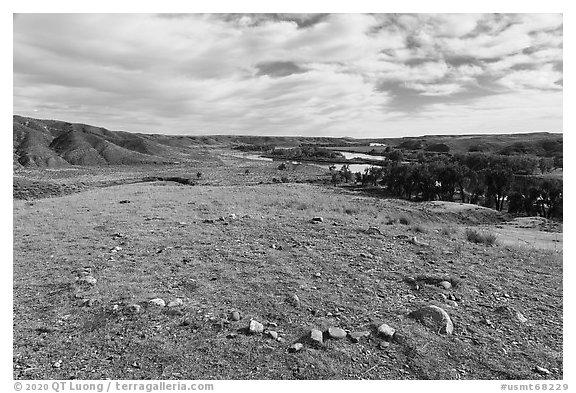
x: 286, y: 74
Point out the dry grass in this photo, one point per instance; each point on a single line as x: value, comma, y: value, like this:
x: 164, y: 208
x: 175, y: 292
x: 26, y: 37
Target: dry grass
x: 479, y: 237
x: 169, y: 252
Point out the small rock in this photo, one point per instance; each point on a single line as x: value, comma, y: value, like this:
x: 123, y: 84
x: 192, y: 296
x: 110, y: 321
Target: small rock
x: 317, y: 275
x: 208, y: 221
x: 133, y: 308
x: 90, y: 280
x: 400, y: 338
x: 295, y: 347
x: 157, y: 302
x: 445, y: 284
x: 521, y: 318
x: 176, y: 303
x: 124, y: 201
x: 255, y: 327
x: 294, y: 300
x: 58, y: 364
x: 316, y: 336
x: 232, y: 335
x: 317, y: 219
x: 434, y: 317
x: 541, y: 370
x: 373, y: 231
x: 235, y: 316
x: 336, y: 333
x: 386, y: 331
x: 356, y: 336
x: 232, y: 216
x: 273, y: 334
x: 384, y: 345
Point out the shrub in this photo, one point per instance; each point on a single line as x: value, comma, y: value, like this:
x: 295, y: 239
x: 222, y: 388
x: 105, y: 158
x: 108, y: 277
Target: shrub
x: 419, y: 228
x: 447, y: 231
x: 404, y: 220
x: 480, y: 237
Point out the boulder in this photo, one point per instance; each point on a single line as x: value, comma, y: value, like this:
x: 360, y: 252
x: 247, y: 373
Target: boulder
x: 336, y: 333
x: 90, y: 280
x: 435, y: 318
x: 316, y: 336
x: 175, y: 303
x: 445, y: 284
x: 255, y: 327
x: 386, y: 331
x: 157, y: 302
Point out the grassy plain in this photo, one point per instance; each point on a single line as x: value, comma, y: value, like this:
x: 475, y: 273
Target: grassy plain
x: 238, y: 241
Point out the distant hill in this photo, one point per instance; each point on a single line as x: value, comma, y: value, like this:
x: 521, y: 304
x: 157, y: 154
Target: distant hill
x: 537, y: 143
x: 54, y: 143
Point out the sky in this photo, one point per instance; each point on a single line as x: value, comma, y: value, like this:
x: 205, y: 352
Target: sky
x: 356, y: 75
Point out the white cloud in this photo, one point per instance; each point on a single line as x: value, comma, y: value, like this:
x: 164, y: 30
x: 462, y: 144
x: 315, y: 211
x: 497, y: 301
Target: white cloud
x: 200, y: 73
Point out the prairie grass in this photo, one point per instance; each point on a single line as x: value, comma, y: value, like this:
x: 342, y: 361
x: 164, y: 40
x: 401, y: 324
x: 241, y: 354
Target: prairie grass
x: 478, y: 237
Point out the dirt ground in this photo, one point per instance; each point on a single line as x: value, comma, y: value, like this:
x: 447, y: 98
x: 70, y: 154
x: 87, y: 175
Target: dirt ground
x: 237, y: 241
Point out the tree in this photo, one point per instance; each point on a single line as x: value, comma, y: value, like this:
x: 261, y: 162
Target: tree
x: 498, y: 182
x: 395, y: 155
x: 546, y: 164
x: 346, y: 173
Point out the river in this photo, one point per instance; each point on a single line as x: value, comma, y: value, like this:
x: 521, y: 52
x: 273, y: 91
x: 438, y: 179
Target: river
x: 353, y: 167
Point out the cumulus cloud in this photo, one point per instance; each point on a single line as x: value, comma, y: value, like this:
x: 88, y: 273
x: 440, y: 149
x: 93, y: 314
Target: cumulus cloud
x: 341, y: 74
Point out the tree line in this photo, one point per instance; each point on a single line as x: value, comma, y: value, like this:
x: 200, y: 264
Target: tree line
x: 515, y: 183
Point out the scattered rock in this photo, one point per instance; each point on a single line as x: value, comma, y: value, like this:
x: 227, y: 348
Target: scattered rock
x: 434, y: 317
x: 175, y: 303
x: 57, y: 364
x: 383, y: 345
x: 124, y: 201
x: 356, y: 336
x: 273, y: 334
x: 295, y: 347
x: 294, y: 300
x: 232, y: 216
x: 235, y: 316
x: 400, y: 338
x: 521, y: 318
x: 386, y: 331
x: 208, y: 221
x: 316, y: 336
x: 541, y: 370
x: 90, y: 280
x: 336, y: 333
x: 157, y: 302
x: 255, y: 327
x: 133, y: 308
x: 374, y: 231
x: 232, y: 335
x: 317, y: 219
x: 445, y: 284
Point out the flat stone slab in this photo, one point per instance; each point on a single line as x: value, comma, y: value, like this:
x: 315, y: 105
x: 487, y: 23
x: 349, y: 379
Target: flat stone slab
x: 435, y: 318
x: 316, y: 336
x: 336, y: 333
x: 386, y: 331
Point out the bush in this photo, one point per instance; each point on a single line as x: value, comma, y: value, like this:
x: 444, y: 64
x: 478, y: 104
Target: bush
x: 419, y: 228
x: 448, y: 231
x: 480, y: 237
x: 404, y: 220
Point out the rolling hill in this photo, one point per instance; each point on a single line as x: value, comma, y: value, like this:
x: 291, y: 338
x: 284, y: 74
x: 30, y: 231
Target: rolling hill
x: 53, y: 143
